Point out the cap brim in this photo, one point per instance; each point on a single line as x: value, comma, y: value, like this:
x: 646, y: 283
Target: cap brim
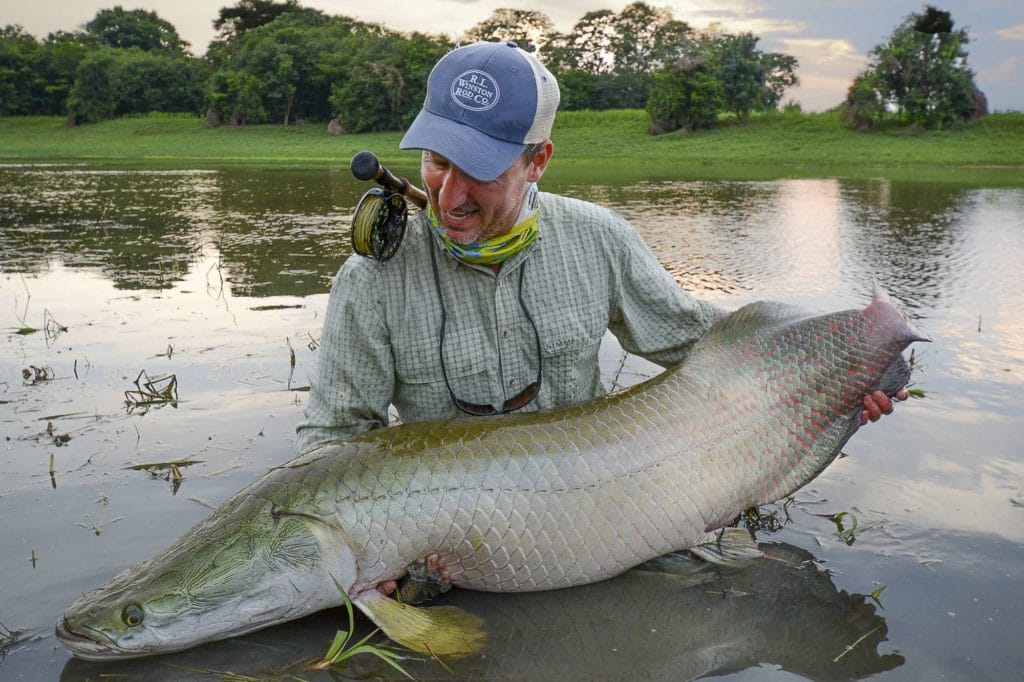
x: 480, y: 156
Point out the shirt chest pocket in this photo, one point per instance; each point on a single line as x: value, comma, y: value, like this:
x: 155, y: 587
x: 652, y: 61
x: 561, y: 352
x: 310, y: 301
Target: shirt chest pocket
x: 419, y: 361
x: 570, y: 341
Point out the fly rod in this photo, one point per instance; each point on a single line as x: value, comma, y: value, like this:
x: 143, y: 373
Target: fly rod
x: 366, y: 166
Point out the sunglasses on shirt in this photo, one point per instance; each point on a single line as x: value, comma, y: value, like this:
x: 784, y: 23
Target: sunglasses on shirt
x: 516, y: 402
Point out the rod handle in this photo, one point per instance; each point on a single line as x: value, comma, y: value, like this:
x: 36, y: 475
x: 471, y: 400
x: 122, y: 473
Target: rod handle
x: 366, y: 166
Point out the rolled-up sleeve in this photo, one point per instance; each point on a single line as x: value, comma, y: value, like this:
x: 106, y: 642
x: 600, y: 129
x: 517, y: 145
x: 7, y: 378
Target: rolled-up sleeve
x: 651, y: 315
x: 353, y: 382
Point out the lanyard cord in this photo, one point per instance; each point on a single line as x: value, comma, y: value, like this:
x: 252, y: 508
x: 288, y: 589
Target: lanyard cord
x: 444, y: 327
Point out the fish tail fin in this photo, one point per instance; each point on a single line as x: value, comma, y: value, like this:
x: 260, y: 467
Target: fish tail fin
x: 895, y: 327
x: 436, y: 630
x: 727, y: 547
x: 885, y: 306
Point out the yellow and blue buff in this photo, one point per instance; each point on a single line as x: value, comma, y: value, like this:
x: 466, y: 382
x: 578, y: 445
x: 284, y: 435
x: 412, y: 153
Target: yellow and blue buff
x: 496, y: 249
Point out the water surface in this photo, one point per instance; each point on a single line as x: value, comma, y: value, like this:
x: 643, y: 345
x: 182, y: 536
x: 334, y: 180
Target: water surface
x: 217, y: 276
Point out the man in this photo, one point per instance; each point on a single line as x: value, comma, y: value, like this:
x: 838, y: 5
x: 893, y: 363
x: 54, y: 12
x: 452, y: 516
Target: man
x: 500, y: 295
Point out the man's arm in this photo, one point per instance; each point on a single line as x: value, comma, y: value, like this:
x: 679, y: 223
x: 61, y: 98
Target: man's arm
x: 652, y: 316
x: 352, y: 384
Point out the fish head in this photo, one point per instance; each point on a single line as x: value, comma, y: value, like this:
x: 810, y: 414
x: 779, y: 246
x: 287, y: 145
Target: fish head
x: 247, y: 566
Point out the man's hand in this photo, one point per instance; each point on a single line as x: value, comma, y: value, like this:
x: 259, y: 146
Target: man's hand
x: 877, y: 403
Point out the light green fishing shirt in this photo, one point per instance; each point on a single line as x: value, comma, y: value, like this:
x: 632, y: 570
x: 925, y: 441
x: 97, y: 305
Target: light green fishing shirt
x: 588, y: 271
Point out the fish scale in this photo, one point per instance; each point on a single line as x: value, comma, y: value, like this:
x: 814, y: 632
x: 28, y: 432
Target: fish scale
x: 522, y: 502
x: 631, y: 446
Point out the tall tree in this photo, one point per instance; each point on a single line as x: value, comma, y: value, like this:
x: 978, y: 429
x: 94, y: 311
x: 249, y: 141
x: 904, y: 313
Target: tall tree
x: 588, y: 47
x: 686, y: 95
x: 607, y: 60
x: 637, y: 29
x: 531, y: 30
x: 751, y: 80
x: 738, y: 67
x: 276, y: 65
x: 379, y: 77
x: 921, y: 73
x: 62, y: 53
x: 118, y: 27
x: 233, y: 22
x: 21, y: 91
x: 779, y: 72
x: 154, y: 81
x: 92, y: 96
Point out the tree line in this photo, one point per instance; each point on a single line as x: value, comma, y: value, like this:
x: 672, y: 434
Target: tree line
x: 279, y: 62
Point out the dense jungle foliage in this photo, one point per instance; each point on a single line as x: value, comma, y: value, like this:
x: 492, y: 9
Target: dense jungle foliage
x: 280, y: 62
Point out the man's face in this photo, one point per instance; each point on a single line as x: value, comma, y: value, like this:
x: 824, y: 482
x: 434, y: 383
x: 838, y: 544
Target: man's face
x: 472, y: 211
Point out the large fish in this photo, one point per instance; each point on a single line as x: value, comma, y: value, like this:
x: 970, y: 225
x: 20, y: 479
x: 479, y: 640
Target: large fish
x: 671, y: 618
x: 761, y: 404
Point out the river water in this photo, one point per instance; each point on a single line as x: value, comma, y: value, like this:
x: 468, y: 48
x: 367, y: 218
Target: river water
x: 219, y: 277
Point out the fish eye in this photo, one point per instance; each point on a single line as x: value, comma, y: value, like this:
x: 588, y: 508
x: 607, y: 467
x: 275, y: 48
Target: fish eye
x: 132, y: 615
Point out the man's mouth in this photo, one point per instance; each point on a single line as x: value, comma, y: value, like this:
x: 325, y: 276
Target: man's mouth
x: 458, y: 218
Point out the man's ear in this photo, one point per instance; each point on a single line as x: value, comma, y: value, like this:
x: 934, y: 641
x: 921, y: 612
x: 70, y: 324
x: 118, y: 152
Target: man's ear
x: 539, y: 162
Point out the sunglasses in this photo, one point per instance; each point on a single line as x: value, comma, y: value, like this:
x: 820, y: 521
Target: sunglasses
x: 516, y: 402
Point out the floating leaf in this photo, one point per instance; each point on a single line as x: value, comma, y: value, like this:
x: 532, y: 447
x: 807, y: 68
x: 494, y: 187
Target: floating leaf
x: 849, y: 530
x: 875, y: 596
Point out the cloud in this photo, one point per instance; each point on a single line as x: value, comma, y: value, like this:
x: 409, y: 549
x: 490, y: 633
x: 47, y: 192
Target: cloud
x: 827, y: 67
x: 738, y: 16
x: 1000, y: 72
x: 818, y: 93
x: 1012, y: 32
x: 760, y: 25
x: 823, y: 51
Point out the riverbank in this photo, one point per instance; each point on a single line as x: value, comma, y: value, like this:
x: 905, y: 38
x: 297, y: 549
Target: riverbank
x: 782, y: 144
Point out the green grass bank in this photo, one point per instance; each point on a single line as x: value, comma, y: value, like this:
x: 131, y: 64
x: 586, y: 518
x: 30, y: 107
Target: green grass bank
x: 587, y: 142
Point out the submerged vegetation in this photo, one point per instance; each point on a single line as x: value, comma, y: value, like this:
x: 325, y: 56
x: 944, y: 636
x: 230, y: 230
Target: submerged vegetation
x: 342, y: 649
x: 152, y: 391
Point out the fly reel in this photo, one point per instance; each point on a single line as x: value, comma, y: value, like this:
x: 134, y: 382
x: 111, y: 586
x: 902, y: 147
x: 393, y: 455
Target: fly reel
x: 378, y: 225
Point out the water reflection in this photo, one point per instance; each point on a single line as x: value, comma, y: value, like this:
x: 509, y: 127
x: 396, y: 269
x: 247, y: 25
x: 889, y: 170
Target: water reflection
x: 280, y: 232
x: 285, y: 231
x: 693, y: 226
x: 132, y: 226
x: 671, y: 619
x: 910, y: 236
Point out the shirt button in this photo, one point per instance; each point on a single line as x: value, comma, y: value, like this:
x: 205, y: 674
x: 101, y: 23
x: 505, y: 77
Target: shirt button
x: 507, y: 333
x: 513, y: 382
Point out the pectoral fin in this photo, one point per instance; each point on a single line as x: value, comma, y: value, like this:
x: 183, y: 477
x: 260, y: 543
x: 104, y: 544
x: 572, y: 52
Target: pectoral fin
x: 727, y: 547
x: 443, y: 631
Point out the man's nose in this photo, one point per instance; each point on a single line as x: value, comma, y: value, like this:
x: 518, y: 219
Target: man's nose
x: 454, y: 190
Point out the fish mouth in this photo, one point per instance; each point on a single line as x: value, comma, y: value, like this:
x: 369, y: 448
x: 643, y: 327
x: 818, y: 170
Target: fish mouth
x: 89, y: 647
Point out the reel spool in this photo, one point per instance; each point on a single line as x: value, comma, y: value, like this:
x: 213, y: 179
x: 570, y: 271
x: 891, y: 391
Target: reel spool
x: 378, y: 224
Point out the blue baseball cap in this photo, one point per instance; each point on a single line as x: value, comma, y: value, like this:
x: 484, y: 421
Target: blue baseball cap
x: 485, y: 102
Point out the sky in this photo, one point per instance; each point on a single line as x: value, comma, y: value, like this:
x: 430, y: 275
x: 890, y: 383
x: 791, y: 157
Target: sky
x: 830, y: 38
